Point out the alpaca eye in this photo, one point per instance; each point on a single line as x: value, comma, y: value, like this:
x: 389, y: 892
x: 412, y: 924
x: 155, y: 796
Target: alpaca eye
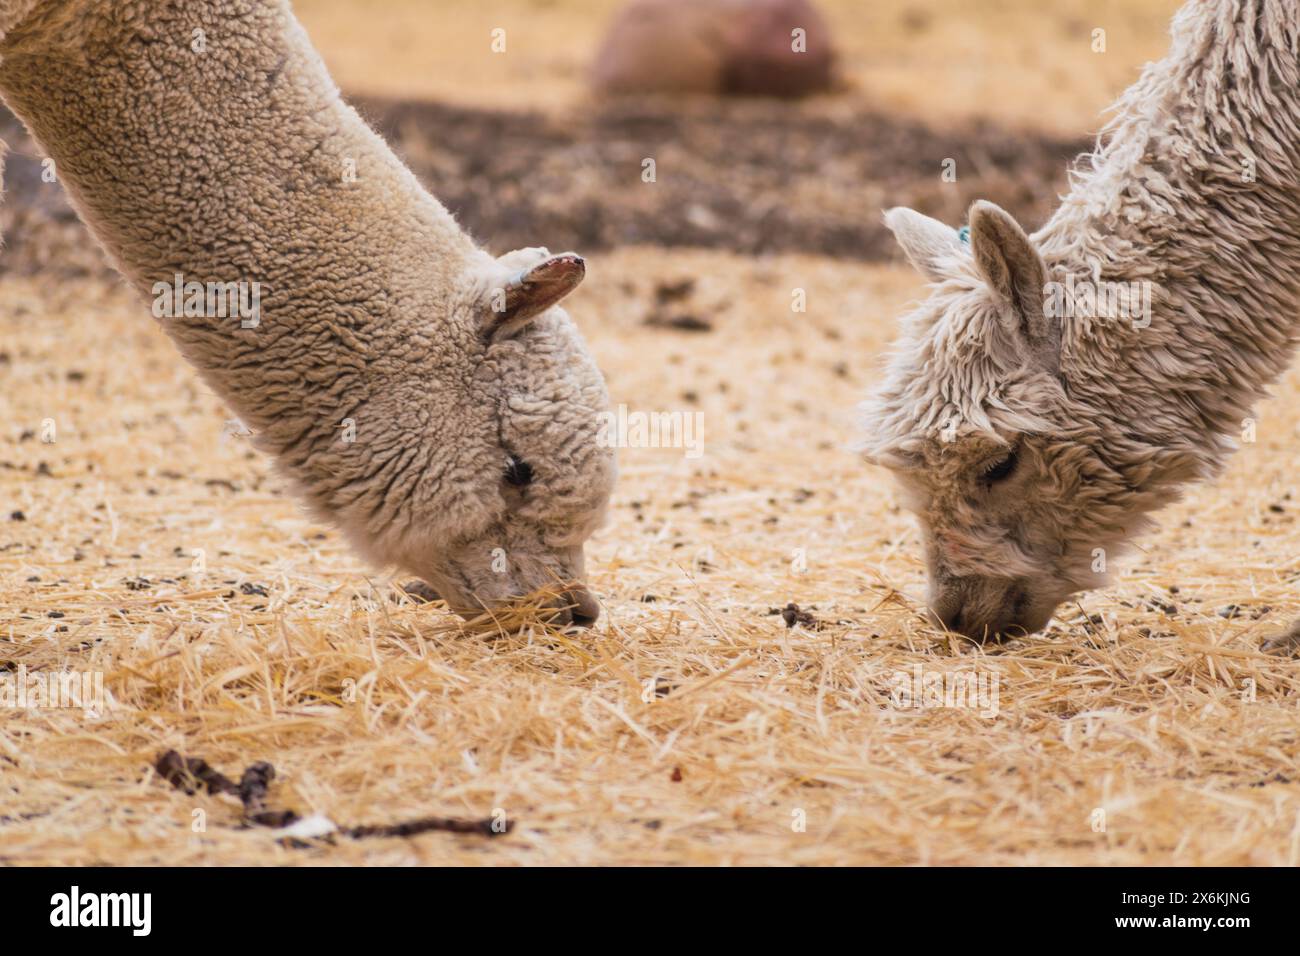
x: 518, y: 473
x: 1000, y: 470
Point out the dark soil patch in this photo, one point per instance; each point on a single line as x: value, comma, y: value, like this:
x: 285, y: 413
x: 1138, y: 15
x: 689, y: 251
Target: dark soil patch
x: 749, y: 176
x: 753, y: 177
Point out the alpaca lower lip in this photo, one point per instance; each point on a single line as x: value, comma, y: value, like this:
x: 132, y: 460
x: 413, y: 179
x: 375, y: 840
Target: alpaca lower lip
x: 574, y: 607
x: 982, y: 629
x: 421, y: 592
x: 985, y: 633
x: 571, y: 607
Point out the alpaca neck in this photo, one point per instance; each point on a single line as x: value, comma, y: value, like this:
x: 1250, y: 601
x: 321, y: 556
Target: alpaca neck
x: 1194, y: 199
x: 227, y: 156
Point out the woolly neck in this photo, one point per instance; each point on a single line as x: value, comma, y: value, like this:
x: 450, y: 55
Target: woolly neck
x: 210, y: 143
x: 1196, y: 191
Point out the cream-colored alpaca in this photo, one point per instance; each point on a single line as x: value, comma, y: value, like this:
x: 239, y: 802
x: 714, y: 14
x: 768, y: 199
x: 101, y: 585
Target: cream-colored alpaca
x: 428, y: 399
x: 1056, y: 389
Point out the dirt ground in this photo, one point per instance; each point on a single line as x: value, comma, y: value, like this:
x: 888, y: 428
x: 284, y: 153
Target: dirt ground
x: 692, y: 725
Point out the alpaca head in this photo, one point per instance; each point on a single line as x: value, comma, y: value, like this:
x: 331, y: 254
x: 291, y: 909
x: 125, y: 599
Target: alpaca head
x: 1018, y: 500
x: 523, y: 478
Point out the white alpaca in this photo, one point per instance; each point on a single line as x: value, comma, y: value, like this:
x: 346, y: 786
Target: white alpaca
x: 1036, y: 410
x: 203, y: 139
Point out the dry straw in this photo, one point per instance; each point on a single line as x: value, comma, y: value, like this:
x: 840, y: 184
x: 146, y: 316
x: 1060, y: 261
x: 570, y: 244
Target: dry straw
x: 691, y: 725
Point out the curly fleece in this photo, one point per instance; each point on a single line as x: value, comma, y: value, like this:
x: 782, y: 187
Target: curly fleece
x: 206, y: 140
x: 1194, y: 194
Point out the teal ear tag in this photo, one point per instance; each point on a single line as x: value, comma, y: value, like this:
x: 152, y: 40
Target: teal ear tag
x: 963, y: 234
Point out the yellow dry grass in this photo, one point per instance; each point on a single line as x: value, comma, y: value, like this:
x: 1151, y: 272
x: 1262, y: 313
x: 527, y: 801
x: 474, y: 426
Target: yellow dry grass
x: 1161, y: 713
x: 1022, y: 62
x: 375, y: 710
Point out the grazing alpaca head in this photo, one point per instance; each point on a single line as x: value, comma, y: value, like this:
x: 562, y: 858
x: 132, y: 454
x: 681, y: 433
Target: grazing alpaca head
x: 977, y: 421
x: 1033, y: 419
x: 430, y: 400
x: 522, y: 479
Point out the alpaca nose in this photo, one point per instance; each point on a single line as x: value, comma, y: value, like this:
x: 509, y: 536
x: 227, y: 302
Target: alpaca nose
x: 962, y: 622
x: 583, y: 608
x: 1000, y: 618
x: 953, y: 619
x: 576, y: 606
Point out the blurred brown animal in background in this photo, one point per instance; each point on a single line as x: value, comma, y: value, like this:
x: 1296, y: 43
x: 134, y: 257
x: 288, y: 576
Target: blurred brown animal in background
x: 729, y: 47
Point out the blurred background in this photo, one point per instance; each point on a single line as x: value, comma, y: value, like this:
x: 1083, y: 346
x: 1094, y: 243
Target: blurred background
x: 1025, y: 61
x: 531, y: 119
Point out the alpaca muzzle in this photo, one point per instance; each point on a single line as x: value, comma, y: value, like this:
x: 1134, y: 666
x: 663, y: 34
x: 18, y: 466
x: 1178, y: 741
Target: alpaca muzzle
x: 987, y: 609
x: 574, y: 607
x: 570, y: 605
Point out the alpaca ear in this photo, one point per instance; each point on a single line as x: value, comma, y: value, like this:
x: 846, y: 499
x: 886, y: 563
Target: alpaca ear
x: 924, y: 240
x: 1015, y: 271
x: 529, y: 292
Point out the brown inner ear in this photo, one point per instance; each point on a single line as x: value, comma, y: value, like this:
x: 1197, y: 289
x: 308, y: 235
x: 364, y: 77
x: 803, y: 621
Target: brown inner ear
x: 1006, y: 259
x: 533, y: 292
x: 1013, y: 269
